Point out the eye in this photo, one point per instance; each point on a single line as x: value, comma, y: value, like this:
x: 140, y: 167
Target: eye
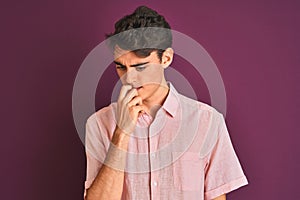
x: 121, y: 67
x: 140, y: 68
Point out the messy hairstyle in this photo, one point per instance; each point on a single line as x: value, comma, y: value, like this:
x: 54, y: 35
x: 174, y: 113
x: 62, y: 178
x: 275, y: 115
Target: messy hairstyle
x: 142, y: 32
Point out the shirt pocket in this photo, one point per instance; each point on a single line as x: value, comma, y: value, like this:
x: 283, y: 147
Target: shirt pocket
x: 188, y: 171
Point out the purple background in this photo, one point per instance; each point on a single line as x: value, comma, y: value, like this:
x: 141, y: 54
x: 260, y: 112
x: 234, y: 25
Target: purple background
x: 254, y: 43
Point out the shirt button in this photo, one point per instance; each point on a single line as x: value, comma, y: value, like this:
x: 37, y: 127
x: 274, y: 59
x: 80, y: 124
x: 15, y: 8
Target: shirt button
x: 155, y: 183
x: 153, y: 155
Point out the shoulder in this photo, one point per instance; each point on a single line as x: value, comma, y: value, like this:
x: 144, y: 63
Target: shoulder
x: 197, y: 107
x: 101, y: 124
x: 105, y: 114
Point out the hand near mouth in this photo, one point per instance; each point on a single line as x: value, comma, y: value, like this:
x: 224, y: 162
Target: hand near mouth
x: 129, y: 107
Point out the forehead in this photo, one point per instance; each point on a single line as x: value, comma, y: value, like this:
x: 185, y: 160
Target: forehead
x: 129, y: 57
x: 118, y: 52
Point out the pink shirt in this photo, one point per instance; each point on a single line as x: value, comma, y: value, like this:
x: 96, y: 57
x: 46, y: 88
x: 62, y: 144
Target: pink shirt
x: 184, y: 153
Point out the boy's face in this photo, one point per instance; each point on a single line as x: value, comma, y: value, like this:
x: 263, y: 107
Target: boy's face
x: 144, y: 74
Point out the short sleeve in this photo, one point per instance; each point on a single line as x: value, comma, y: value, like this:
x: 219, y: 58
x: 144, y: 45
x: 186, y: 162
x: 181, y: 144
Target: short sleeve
x: 224, y: 172
x: 95, y: 150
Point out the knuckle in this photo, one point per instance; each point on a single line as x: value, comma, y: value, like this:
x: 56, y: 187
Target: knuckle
x: 134, y: 108
x: 138, y: 98
x: 129, y: 106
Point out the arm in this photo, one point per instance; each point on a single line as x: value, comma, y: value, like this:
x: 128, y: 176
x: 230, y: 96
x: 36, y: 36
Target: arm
x: 224, y: 172
x: 222, y: 197
x: 108, y: 183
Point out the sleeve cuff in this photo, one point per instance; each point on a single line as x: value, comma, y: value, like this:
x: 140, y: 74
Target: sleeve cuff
x: 226, y: 188
x: 87, y: 184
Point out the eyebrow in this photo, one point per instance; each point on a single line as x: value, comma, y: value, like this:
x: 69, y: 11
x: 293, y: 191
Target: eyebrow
x: 134, y: 65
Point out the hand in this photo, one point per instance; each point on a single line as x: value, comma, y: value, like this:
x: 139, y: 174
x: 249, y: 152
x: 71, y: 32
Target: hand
x: 129, y: 106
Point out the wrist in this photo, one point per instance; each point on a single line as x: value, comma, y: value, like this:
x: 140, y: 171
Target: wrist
x: 120, y: 139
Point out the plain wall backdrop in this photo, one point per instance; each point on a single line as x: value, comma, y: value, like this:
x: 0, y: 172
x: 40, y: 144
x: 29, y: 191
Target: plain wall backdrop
x: 255, y: 45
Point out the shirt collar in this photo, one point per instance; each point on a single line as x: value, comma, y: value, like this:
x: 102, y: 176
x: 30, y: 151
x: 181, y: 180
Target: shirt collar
x: 171, y: 103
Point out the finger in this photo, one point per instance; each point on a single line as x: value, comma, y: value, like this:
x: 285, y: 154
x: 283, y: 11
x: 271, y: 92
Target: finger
x: 137, y: 100
x: 130, y: 95
x: 135, y: 110
x: 124, y: 91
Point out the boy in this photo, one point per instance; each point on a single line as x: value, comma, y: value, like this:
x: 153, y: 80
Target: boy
x: 155, y: 143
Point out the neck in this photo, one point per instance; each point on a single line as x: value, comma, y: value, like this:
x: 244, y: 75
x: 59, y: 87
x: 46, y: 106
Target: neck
x: 157, y: 98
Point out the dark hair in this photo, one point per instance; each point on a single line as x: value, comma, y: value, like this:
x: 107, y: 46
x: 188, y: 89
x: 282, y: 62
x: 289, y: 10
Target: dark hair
x: 142, y: 32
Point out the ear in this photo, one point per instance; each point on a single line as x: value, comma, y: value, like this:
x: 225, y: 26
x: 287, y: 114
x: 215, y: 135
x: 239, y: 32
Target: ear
x: 167, y: 57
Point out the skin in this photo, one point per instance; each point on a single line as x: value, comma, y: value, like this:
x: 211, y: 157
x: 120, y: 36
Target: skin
x: 144, y: 87
x: 222, y: 197
x: 146, y: 76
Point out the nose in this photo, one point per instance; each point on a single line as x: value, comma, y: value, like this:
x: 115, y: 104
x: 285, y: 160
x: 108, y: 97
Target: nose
x: 130, y: 76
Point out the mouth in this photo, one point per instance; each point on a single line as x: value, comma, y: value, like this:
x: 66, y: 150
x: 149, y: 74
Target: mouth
x: 138, y: 88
